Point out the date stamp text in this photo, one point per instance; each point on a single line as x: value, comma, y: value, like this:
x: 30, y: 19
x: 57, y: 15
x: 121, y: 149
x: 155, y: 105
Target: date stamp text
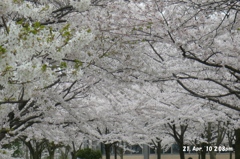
x: 207, y: 148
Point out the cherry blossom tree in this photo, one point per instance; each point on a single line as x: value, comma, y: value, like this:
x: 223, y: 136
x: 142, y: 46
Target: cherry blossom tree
x: 35, y: 61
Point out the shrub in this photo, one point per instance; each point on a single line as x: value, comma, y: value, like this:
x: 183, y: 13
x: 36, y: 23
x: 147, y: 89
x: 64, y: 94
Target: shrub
x: 88, y: 153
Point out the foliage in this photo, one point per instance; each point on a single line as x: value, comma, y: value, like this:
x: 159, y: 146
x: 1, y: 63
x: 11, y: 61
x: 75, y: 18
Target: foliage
x: 13, y: 149
x: 18, y: 149
x: 88, y: 153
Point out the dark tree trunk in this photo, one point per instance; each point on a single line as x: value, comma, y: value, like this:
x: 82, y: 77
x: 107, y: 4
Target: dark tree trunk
x: 64, y: 155
x: 230, y: 155
x: 203, y: 154
x: 158, y: 146
x: 120, y: 150
x: 199, y: 155
x: 73, y: 154
x: 181, y: 152
x: 115, y: 151
x: 51, y: 147
x: 51, y: 154
x: 203, y: 151
x: 159, y: 150
x: 237, y: 144
x: 35, y: 153
x: 212, y: 154
x: 108, y: 150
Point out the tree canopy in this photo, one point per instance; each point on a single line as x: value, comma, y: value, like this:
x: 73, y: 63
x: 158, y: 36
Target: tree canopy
x: 132, y: 71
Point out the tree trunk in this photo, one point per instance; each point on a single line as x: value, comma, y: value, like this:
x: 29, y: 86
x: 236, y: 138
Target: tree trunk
x: 73, y: 155
x: 74, y: 151
x: 65, y: 152
x: 230, y: 136
x: 230, y: 155
x: 203, y: 151
x: 26, y: 152
x: 181, y: 152
x: 212, y: 154
x: 159, y: 150
x: 37, y: 152
x: 115, y: 151
x: 51, y: 147
x: 37, y: 155
x: 237, y: 144
x: 108, y: 150
x: 51, y: 154
x: 203, y: 154
x: 120, y: 151
x: 199, y: 155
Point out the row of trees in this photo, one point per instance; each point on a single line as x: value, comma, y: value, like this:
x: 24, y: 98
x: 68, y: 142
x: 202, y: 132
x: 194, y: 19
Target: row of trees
x: 110, y: 71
